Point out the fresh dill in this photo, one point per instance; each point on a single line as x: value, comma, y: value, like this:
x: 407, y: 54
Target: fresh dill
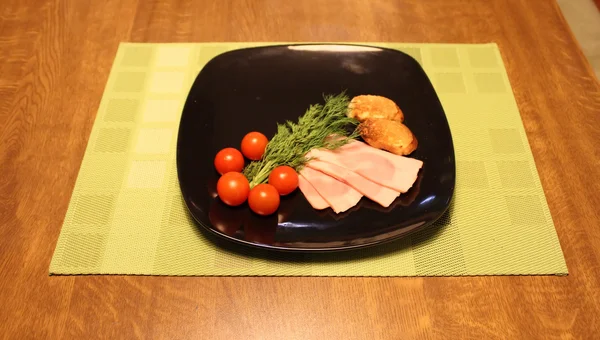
x: 294, y: 139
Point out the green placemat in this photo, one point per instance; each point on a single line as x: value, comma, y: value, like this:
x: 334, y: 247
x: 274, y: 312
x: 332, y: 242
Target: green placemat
x: 126, y: 215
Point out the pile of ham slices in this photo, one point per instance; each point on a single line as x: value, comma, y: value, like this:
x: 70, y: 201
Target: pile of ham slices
x: 340, y: 178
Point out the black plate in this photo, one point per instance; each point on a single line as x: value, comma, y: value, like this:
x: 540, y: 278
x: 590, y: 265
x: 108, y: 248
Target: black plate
x: 252, y: 89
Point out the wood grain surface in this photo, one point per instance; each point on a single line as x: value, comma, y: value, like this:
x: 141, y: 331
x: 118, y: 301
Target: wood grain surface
x: 55, y: 56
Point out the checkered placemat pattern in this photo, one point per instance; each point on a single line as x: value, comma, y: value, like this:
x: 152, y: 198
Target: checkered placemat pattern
x: 126, y: 215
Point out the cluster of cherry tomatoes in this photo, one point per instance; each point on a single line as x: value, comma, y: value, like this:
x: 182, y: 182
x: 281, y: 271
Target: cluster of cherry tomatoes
x: 233, y: 187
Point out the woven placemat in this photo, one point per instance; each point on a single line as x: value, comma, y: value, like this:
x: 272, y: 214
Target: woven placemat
x: 126, y: 214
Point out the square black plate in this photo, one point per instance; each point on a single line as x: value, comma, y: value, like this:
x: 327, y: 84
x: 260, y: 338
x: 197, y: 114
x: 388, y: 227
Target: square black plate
x: 252, y: 89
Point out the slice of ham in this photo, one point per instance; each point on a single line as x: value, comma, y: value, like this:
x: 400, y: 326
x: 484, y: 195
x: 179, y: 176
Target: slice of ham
x: 312, y: 195
x: 338, y: 195
x: 378, y: 193
x: 395, y: 172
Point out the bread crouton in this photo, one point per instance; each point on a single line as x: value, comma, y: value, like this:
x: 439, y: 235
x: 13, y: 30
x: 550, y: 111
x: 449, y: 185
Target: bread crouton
x: 389, y: 135
x: 369, y: 106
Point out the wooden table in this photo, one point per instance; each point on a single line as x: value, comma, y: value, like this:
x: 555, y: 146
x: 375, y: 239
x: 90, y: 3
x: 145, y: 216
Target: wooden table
x: 55, y: 57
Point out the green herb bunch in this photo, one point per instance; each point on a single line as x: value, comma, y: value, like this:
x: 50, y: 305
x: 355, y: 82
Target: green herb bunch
x: 293, y: 140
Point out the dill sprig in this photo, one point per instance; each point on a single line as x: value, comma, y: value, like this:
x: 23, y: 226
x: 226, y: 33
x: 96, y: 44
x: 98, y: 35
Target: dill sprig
x: 293, y: 140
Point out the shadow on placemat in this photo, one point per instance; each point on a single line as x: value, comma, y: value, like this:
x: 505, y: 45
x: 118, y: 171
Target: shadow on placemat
x: 414, y: 239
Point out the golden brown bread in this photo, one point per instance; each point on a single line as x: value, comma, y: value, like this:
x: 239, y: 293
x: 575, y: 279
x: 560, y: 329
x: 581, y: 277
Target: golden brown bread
x: 389, y: 135
x: 368, y: 106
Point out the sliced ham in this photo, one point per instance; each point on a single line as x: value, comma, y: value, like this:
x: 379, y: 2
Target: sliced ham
x: 312, y: 195
x: 338, y: 195
x: 392, y: 171
x: 376, y: 192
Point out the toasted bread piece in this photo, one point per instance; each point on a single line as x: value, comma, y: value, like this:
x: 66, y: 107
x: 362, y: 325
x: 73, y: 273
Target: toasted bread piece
x: 389, y: 135
x: 369, y: 106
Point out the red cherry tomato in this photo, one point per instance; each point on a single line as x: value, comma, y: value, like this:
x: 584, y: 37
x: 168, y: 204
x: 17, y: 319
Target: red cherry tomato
x: 284, y: 179
x: 233, y: 188
x: 253, y: 145
x: 229, y: 160
x: 263, y: 199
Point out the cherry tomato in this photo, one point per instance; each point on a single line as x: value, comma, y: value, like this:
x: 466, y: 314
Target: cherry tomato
x: 253, y: 145
x: 233, y: 188
x: 229, y: 160
x: 284, y: 179
x: 263, y: 199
